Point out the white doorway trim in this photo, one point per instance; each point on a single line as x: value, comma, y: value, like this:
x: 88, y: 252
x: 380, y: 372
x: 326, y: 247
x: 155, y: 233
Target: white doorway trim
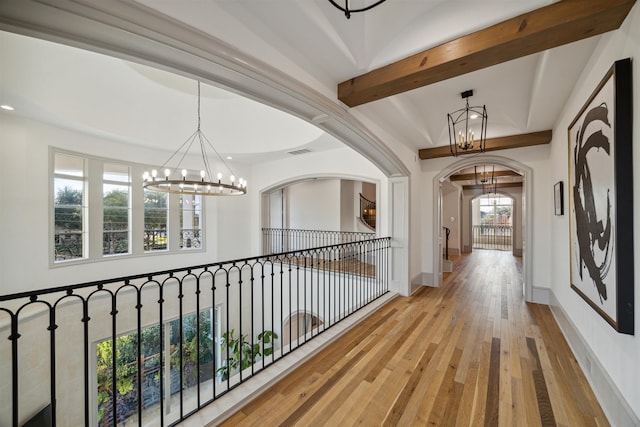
x: 527, y: 212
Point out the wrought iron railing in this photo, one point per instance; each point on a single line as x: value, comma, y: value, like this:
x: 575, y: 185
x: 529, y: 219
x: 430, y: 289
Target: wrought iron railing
x: 447, y: 232
x: 493, y: 237
x: 68, y: 245
x: 190, y: 238
x: 154, y: 348
x: 155, y: 239
x: 368, y: 211
x: 275, y: 240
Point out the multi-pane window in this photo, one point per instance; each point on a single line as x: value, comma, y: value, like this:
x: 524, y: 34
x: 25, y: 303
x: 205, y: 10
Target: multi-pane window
x: 116, y: 202
x: 200, y: 347
x: 155, y: 221
x: 496, y: 210
x: 492, y: 216
x: 69, y: 212
x: 99, y: 210
x: 190, y: 213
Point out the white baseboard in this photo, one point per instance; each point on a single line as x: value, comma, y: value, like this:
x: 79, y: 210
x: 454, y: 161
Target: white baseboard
x: 616, y: 408
x: 452, y: 252
x: 541, y: 295
x: 422, y: 279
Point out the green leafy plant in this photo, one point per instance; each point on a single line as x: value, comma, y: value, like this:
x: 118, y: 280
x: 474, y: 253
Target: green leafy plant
x: 126, y: 368
x: 241, y: 353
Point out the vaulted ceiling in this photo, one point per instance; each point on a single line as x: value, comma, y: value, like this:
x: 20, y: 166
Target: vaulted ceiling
x: 314, y: 43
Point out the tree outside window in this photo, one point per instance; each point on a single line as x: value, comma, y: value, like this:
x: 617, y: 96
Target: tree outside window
x: 116, y: 209
x: 155, y: 221
x: 69, y: 211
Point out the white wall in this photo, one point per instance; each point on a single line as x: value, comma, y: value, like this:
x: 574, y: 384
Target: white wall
x: 451, y: 217
x: 314, y: 205
x: 231, y: 224
x: 348, y: 211
x: 323, y: 164
x: 25, y: 211
x: 369, y: 191
x: 617, y: 354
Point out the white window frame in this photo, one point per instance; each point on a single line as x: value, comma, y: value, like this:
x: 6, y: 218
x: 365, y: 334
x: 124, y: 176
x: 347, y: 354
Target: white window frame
x: 129, y: 208
x: 52, y: 215
x: 94, y: 213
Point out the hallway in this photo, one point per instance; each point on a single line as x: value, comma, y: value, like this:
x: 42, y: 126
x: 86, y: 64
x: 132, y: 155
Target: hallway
x: 468, y: 353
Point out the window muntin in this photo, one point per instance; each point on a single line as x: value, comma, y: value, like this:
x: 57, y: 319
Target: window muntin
x: 116, y: 202
x: 155, y: 221
x: 190, y: 214
x: 69, y: 208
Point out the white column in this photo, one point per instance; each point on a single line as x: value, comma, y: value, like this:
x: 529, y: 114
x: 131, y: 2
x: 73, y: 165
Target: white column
x: 399, y: 227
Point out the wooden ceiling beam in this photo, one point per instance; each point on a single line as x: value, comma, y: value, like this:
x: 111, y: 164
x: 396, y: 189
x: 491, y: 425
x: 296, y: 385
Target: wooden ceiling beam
x: 493, y: 144
x: 472, y: 176
x: 490, y: 187
x: 551, y: 26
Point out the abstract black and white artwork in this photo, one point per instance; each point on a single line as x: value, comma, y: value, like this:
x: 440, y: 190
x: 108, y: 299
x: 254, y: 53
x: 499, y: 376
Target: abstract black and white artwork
x: 601, y: 199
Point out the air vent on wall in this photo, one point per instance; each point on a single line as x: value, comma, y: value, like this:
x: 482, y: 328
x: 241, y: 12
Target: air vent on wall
x: 298, y: 152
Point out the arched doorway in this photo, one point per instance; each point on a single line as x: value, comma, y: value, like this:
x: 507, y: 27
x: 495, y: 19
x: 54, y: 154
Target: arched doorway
x: 526, y: 212
x: 323, y: 202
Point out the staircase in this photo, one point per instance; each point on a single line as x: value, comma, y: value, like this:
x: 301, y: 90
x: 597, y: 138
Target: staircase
x: 368, y: 212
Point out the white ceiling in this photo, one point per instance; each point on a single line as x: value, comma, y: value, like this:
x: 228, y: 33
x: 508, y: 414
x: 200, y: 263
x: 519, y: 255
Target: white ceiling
x: 312, y: 42
x: 136, y: 104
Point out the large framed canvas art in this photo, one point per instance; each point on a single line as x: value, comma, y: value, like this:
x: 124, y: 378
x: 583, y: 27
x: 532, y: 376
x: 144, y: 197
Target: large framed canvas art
x: 601, y: 199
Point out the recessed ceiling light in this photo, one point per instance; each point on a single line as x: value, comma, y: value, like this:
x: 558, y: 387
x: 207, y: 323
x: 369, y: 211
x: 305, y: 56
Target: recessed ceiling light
x: 229, y: 158
x: 7, y: 107
x: 473, y: 116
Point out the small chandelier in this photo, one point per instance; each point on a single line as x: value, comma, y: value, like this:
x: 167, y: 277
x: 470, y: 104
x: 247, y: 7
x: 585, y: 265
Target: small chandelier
x: 348, y: 12
x: 204, y: 184
x: 485, y: 181
x: 463, y: 127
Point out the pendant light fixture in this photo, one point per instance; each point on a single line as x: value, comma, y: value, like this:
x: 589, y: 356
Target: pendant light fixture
x: 184, y: 182
x: 348, y: 11
x: 486, y: 180
x: 467, y: 127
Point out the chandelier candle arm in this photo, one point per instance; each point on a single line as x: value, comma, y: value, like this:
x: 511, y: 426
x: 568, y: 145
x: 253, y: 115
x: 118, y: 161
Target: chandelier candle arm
x: 202, y: 184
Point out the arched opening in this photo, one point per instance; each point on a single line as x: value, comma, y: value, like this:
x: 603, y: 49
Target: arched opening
x: 521, y: 227
x: 322, y: 203
x: 298, y: 325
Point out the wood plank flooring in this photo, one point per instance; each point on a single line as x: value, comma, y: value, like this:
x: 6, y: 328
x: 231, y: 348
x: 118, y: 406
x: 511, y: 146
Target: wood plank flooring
x: 469, y: 353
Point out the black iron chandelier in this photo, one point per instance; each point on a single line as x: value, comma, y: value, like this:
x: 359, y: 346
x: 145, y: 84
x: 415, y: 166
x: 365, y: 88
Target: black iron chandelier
x: 347, y: 11
x: 467, y: 127
x: 488, y: 181
x: 204, y: 184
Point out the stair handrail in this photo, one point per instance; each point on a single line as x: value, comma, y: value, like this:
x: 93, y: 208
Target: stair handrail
x: 368, y: 219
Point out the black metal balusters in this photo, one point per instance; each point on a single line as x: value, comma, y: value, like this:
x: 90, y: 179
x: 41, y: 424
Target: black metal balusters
x: 156, y: 366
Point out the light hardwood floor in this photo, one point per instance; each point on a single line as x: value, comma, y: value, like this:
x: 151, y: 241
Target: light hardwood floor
x: 469, y: 353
